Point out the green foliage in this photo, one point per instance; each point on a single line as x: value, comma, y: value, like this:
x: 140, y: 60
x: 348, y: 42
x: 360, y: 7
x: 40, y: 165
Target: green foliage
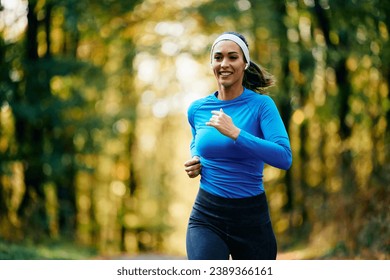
x: 51, y: 250
x: 82, y: 153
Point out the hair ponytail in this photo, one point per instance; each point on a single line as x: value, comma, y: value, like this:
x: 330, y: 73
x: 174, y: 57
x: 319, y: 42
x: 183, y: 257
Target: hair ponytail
x: 257, y: 79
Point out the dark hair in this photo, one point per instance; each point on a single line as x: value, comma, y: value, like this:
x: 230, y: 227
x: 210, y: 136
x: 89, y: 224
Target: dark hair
x: 255, y: 77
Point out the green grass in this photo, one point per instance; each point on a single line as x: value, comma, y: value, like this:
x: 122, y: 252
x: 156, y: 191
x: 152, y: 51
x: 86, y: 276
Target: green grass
x: 51, y: 250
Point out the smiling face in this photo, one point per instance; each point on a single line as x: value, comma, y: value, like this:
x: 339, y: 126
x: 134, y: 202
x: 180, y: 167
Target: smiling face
x: 228, y: 64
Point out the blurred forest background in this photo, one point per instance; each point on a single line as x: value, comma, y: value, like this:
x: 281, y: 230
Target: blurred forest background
x: 94, y: 134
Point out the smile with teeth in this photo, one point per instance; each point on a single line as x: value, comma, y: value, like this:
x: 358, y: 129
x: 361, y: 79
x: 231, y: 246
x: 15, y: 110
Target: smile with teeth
x: 225, y: 73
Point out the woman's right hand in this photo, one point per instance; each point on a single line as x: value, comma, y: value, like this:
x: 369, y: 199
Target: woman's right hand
x: 193, y: 167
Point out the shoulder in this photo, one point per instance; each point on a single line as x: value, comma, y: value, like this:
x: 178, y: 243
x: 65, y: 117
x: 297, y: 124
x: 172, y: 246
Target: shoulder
x: 258, y: 99
x: 195, y: 105
x: 262, y: 105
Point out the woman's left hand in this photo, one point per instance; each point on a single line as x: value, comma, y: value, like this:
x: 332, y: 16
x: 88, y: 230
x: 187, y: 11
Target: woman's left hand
x: 224, y: 124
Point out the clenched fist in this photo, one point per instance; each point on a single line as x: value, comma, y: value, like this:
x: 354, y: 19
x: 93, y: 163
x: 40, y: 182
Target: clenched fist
x: 193, y: 167
x: 224, y: 124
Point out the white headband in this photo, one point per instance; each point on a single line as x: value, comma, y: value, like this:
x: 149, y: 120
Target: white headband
x: 238, y: 41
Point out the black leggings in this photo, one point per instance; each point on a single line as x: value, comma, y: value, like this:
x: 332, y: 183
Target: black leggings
x: 221, y: 227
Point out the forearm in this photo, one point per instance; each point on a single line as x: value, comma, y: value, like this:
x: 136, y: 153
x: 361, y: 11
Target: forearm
x: 275, y: 152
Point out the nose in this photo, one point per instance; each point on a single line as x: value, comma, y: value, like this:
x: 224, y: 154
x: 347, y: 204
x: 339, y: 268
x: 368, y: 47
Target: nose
x: 224, y: 63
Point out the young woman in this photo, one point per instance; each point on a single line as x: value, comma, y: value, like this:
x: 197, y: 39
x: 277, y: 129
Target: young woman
x: 236, y: 130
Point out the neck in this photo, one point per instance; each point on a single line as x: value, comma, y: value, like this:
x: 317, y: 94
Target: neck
x: 229, y: 93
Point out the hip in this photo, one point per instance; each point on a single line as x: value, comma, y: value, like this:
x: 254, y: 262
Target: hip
x: 248, y: 211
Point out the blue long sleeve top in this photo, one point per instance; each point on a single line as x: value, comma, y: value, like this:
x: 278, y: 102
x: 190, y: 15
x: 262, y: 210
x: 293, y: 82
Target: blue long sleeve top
x: 231, y: 168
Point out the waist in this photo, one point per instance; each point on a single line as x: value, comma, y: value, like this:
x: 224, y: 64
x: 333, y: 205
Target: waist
x: 244, y: 211
x: 231, y: 189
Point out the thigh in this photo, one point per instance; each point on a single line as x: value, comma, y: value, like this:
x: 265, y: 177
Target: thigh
x: 254, y: 243
x: 204, y: 242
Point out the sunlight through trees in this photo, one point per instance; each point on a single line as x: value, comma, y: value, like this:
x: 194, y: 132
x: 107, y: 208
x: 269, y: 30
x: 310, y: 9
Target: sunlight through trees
x: 94, y: 135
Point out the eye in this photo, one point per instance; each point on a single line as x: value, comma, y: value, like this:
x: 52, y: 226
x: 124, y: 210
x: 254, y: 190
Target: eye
x: 217, y: 57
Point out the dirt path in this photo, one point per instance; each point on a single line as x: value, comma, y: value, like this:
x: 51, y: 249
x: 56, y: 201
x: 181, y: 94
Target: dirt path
x: 293, y: 255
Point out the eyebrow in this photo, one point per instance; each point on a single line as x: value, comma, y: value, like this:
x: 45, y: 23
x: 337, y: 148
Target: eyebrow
x: 232, y: 52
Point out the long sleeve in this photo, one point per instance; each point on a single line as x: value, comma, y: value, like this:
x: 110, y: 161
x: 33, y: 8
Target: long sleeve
x: 193, y: 150
x: 274, y: 149
x: 235, y: 168
x: 190, y: 116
